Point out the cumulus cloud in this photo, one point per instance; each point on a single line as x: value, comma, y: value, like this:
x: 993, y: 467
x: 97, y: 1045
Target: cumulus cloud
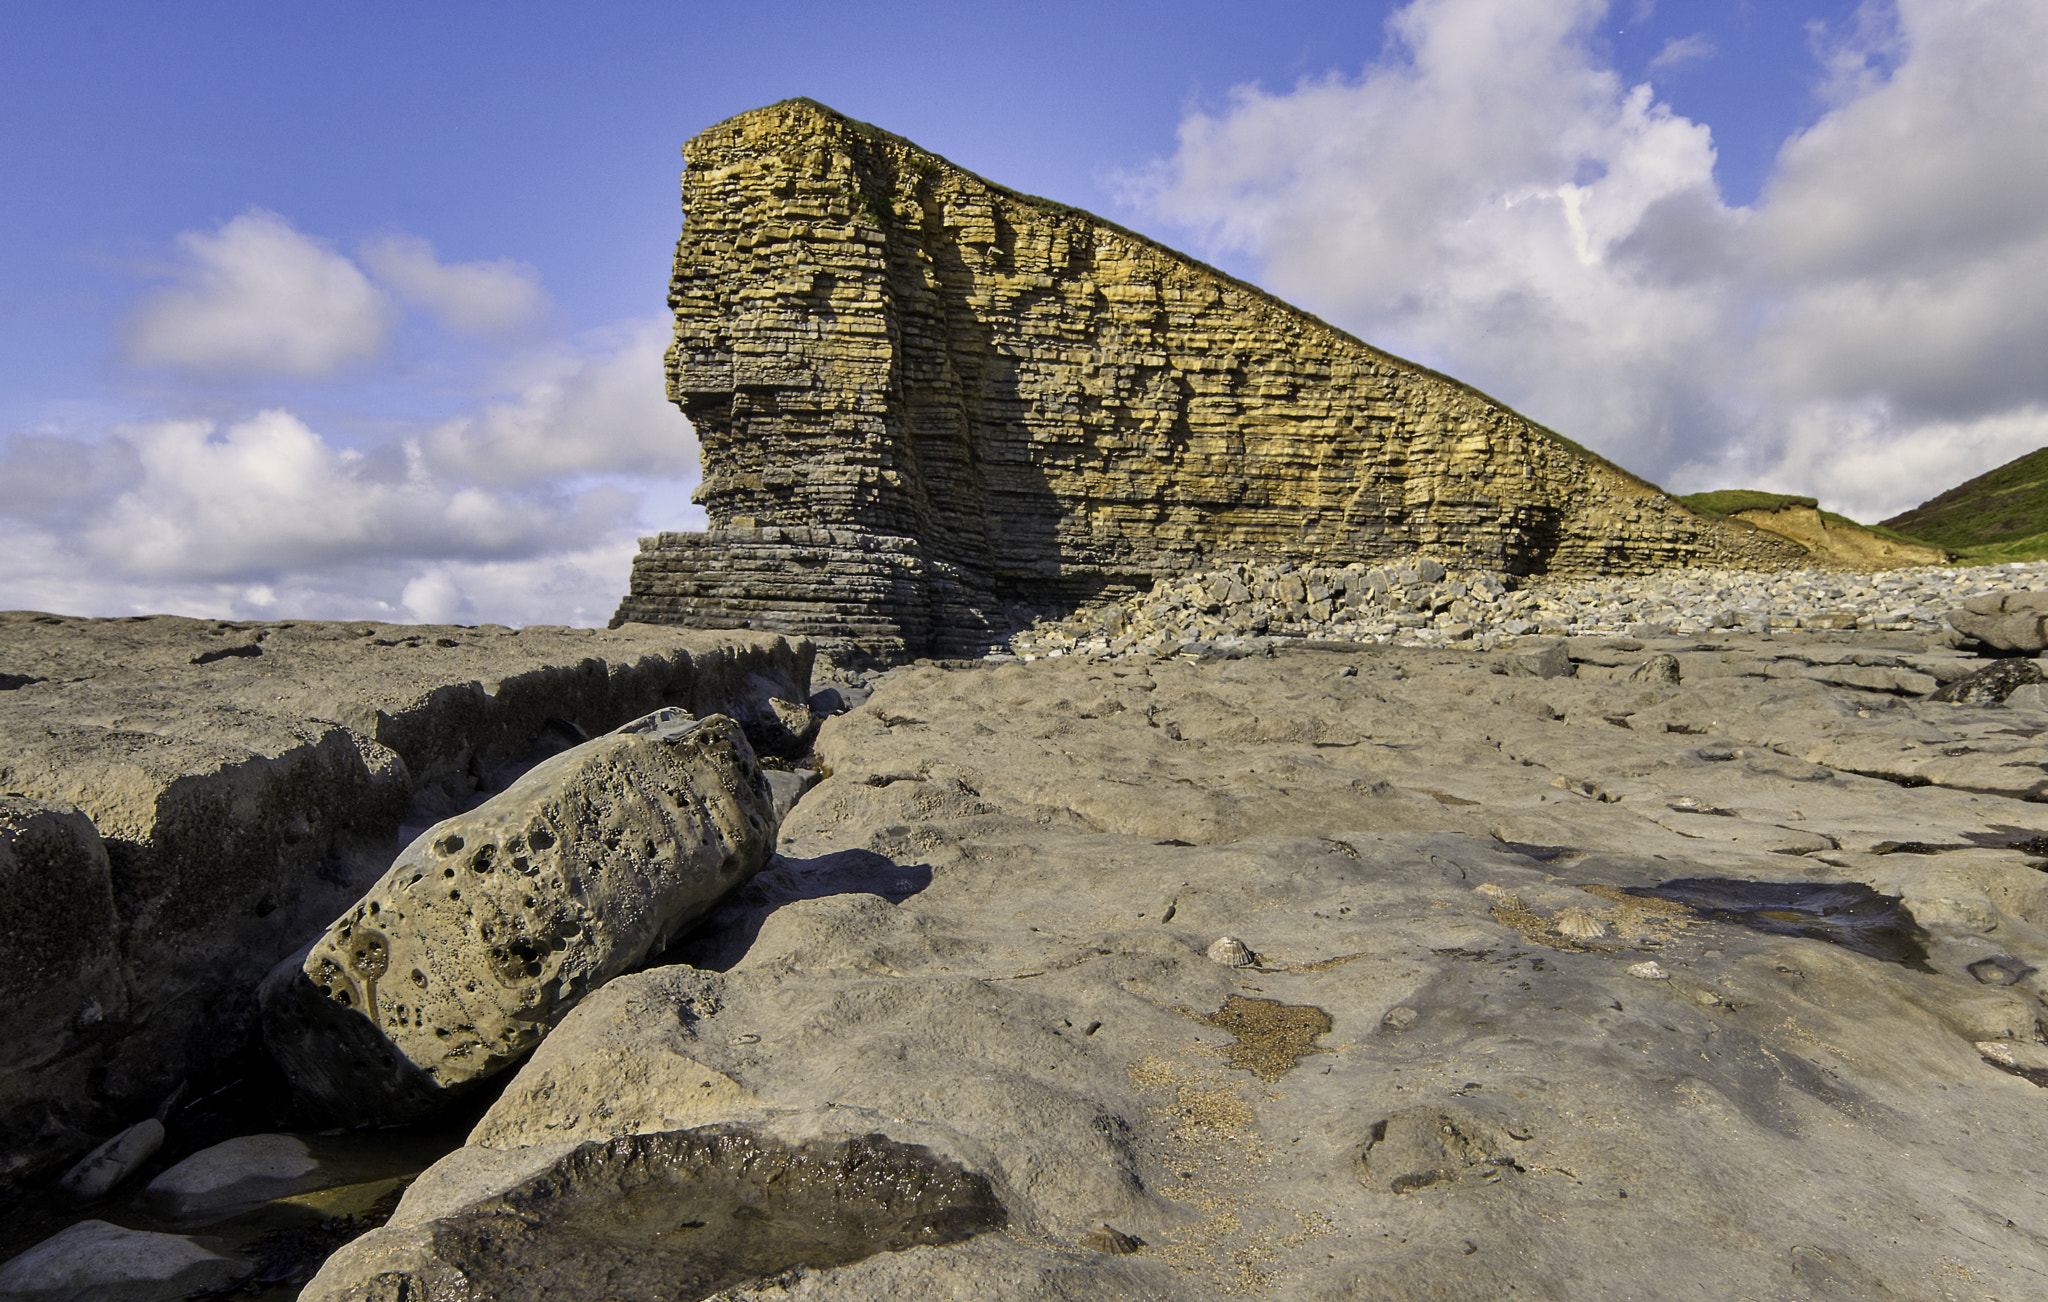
x: 1491, y: 198
x: 265, y: 518
x: 500, y: 297
x: 583, y: 411
x: 256, y: 296
x: 526, y: 510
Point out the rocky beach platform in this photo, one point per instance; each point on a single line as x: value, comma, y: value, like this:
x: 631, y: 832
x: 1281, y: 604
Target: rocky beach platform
x: 1577, y: 967
x: 1609, y: 968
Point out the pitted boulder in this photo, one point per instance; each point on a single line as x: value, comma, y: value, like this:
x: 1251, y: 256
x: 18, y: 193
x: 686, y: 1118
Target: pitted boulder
x: 492, y: 925
x: 2005, y: 621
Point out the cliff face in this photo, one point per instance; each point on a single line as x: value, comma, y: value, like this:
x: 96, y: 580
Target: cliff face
x: 922, y: 397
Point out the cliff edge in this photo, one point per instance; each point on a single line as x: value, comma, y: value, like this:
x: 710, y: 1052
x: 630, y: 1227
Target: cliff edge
x: 926, y: 401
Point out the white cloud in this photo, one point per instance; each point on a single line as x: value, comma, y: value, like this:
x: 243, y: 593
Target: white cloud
x: 1490, y: 198
x: 267, y: 519
x: 603, y: 410
x: 1681, y: 50
x: 258, y: 297
x: 500, y: 297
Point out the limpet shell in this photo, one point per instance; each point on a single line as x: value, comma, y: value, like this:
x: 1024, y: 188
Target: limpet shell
x: 1232, y: 952
x: 1578, y: 924
x: 1649, y: 972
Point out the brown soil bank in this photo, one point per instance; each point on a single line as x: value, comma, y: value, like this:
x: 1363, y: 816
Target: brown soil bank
x: 923, y: 398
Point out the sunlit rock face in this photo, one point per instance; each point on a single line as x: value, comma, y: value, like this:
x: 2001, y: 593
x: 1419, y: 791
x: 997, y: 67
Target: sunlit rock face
x: 925, y: 400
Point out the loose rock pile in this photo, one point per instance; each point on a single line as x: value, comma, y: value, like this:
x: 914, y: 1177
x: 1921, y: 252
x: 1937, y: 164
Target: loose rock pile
x: 1422, y: 602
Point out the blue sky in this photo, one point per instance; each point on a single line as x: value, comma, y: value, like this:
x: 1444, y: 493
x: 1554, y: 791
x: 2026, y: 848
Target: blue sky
x: 485, y: 197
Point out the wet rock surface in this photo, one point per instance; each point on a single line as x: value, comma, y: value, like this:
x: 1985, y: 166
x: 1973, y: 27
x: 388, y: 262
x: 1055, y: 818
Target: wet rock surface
x: 1476, y: 1052
x: 493, y: 924
x: 1848, y: 914
x: 230, y: 787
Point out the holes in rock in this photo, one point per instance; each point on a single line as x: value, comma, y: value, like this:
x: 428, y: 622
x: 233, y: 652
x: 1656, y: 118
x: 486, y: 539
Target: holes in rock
x: 369, y: 954
x: 1849, y: 914
x: 517, y: 960
x: 447, y: 845
x: 480, y: 862
x: 683, y: 1214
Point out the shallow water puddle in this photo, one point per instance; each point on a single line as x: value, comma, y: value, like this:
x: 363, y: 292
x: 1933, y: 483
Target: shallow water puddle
x: 1849, y: 914
x: 682, y: 1214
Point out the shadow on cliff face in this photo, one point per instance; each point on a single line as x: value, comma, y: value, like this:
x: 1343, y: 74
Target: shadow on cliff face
x: 681, y: 1214
x: 725, y: 935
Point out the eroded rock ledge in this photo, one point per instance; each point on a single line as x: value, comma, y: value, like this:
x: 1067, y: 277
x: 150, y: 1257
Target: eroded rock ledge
x: 924, y: 400
x: 185, y: 802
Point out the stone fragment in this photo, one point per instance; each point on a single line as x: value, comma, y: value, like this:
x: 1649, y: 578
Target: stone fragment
x: 1545, y: 658
x: 492, y: 925
x: 94, y: 1261
x: 2016, y: 1053
x: 99, y: 1171
x: 1991, y: 684
x: 2005, y: 621
x: 235, y: 1176
x: 787, y: 786
x: 1660, y: 668
x: 2028, y: 696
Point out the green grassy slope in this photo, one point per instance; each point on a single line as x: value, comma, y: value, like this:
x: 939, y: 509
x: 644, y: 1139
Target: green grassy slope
x: 2001, y: 515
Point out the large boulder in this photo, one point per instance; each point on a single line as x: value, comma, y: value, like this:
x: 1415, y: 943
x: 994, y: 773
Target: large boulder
x: 492, y: 925
x: 2007, y: 621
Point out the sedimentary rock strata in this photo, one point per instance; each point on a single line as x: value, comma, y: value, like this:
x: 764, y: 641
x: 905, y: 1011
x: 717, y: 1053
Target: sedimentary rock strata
x: 236, y: 786
x: 493, y: 924
x: 924, y: 399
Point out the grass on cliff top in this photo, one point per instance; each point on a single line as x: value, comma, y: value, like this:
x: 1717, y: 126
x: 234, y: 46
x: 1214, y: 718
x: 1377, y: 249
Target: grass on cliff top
x: 1729, y: 501
x: 2001, y: 515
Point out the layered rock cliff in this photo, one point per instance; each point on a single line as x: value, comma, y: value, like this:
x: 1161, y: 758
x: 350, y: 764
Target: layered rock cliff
x: 924, y: 399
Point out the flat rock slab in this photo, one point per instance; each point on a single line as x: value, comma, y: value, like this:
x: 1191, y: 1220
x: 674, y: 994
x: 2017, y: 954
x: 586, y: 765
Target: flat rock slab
x: 94, y: 1261
x: 240, y: 785
x: 235, y: 1176
x: 1474, y: 1052
x: 492, y: 925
